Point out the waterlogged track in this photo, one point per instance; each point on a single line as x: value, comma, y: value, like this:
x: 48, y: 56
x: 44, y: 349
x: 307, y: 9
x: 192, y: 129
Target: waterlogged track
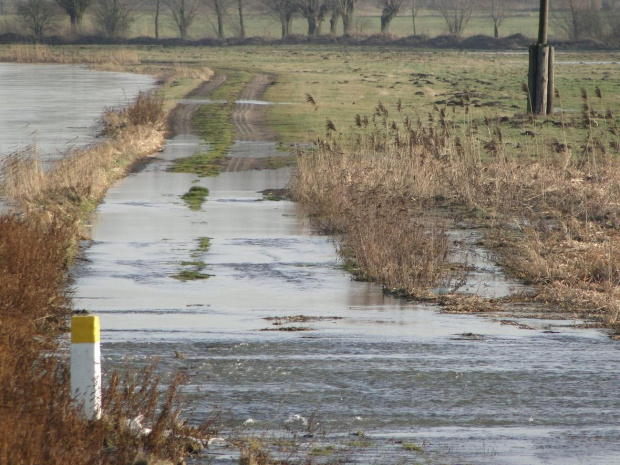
x: 181, y: 119
x: 255, y: 141
x: 464, y: 389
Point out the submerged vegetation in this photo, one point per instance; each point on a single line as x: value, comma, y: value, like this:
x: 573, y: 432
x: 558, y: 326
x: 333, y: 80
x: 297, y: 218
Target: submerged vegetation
x: 192, y: 270
x: 195, y: 197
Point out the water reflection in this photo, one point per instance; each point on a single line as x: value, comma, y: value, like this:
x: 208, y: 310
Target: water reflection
x: 56, y: 107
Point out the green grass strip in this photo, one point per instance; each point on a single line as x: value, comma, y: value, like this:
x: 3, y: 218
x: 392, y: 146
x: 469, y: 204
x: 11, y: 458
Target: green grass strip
x: 195, y: 197
x: 214, y: 124
x: 194, y: 273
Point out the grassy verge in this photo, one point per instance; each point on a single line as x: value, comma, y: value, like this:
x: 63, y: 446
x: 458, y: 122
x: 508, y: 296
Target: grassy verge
x: 214, y: 124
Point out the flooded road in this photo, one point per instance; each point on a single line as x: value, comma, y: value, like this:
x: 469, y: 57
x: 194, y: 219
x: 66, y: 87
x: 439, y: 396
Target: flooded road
x: 56, y: 107
x: 367, y: 378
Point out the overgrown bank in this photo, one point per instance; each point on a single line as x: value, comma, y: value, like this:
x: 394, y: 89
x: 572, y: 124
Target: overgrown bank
x: 552, y: 216
x: 38, y: 420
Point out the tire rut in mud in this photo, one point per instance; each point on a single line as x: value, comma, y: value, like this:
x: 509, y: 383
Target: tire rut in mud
x: 249, y: 119
x: 180, y: 121
x: 250, y: 124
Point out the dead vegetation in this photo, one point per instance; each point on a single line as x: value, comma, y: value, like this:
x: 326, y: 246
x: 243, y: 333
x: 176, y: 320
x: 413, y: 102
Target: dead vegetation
x: 38, y: 420
x: 73, y: 186
x: 111, y: 58
x: 552, y: 216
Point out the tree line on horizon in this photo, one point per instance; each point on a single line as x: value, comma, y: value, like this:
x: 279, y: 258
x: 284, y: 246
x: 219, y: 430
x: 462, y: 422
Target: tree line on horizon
x: 577, y: 19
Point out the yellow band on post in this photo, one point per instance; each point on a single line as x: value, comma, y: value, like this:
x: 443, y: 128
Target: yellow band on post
x: 85, y: 329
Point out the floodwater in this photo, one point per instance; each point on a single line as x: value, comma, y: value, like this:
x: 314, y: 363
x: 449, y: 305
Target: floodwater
x: 57, y: 107
x: 463, y: 388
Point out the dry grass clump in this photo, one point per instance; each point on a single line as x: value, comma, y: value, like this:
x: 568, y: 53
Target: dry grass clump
x: 554, y: 215
x: 110, y: 59
x: 367, y: 196
x: 38, y: 421
x: 76, y: 183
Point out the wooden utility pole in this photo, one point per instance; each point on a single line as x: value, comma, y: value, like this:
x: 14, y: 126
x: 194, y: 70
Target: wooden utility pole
x: 541, y: 68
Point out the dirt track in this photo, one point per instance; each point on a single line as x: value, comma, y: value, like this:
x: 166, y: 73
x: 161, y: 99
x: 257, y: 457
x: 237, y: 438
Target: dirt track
x: 181, y: 117
x: 249, y: 118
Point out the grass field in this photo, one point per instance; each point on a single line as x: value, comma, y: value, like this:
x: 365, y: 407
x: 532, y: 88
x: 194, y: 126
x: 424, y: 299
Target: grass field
x: 346, y: 81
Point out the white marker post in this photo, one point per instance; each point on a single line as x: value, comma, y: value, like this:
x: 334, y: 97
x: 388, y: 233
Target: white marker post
x: 86, y: 364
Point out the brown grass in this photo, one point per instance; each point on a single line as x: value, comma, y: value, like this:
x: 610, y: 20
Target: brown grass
x: 112, y: 58
x: 554, y: 216
x: 76, y: 184
x: 38, y: 420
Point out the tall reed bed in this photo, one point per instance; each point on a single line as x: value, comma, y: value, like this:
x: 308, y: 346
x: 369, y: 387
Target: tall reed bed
x: 110, y: 58
x: 552, y: 217
x: 38, y: 421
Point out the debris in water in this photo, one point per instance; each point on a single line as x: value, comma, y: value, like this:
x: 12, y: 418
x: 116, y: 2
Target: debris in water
x: 468, y: 337
x: 289, y: 328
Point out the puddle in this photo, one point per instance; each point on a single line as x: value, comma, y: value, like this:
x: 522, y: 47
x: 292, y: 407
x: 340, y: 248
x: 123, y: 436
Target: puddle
x: 57, y: 107
x: 471, y: 390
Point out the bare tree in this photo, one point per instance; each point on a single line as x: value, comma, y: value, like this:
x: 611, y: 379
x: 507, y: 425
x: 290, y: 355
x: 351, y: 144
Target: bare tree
x: 283, y: 10
x: 157, y: 8
x: 114, y: 16
x: 499, y: 12
x: 75, y: 9
x: 241, y: 24
x: 580, y: 18
x: 183, y: 13
x: 314, y: 12
x: 390, y: 9
x: 415, y: 9
x: 38, y: 16
x: 457, y: 14
x: 333, y: 7
x: 347, y: 11
x: 221, y: 9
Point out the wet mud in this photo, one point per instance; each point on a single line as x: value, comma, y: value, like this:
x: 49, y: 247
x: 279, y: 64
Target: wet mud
x: 373, y: 379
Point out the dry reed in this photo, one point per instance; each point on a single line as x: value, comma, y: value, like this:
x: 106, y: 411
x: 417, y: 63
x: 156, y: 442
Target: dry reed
x: 76, y: 183
x: 554, y: 216
x: 38, y: 420
x: 112, y: 58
